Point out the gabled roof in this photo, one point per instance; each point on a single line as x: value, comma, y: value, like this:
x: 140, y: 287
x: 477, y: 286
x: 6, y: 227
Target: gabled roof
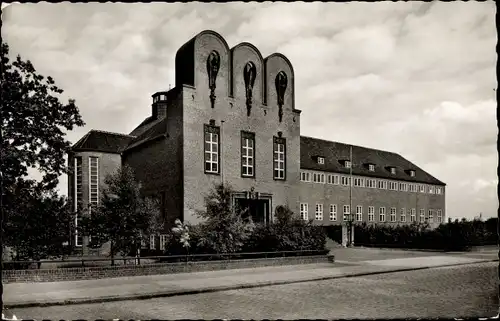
x: 102, y: 141
x: 159, y: 129
x: 335, y: 152
x: 142, y: 127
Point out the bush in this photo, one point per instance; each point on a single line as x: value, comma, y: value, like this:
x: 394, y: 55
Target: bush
x: 453, y: 236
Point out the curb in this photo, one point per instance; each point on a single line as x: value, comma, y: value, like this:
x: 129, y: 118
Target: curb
x: 223, y: 288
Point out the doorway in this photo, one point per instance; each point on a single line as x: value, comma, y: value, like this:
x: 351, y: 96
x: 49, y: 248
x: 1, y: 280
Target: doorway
x: 258, y: 209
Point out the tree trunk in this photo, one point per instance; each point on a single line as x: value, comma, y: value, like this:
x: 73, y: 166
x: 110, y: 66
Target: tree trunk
x: 111, y: 250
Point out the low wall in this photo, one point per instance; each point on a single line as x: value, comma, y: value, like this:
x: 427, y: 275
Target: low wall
x: 91, y: 273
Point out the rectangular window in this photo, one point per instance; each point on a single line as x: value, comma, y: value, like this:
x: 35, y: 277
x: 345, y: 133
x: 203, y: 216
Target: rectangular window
x: 413, y: 215
x: 247, y: 154
x: 381, y: 214
x: 359, y: 213
x: 336, y: 179
x: 152, y: 243
x: 319, y: 178
x: 212, y: 146
x: 304, y: 208
x: 393, y: 214
x: 439, y: 190
x: 393, y: 170
x: 431, y: 189
x: 333, y: 212
x: 347, y: 212
x: 94, y: 181
x: 78, y: 177
x: 321, y: 160
x: 163, y: 242
x: 371, y: 213
x: 422, y: 188
x: 403, y: 215
x: 371, y: 183
x: 305, y: 177
x: 422, y: 215
x: 359, y: 182
x: 279, y: 158
x: 319, y: 212
x: 371, y: 167
x: 347, y: 164
x: 393, y: 186
x: 345, y: 180
x: 382, y: 184
x: 431, y: 216
x: 412, y: 173
x: 439, y: 216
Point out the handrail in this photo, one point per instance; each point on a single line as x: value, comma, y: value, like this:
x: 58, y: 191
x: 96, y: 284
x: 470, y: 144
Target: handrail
x: 118, y: 258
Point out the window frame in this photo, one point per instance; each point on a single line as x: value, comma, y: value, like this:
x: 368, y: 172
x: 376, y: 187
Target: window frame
x: 277, y: 141
x: 359, y: 213
x: 421, y: 217
x: 215, y: 130
x: 393, y: 215
x: 333, y: 212
x: 318, y: 213
x: 381, y: 213
x: 402, y: 215
x: 371, y: 213
x: 247, y: 136
x: 344, y: 212
x: 304, y: 211
x: 371, y: 167
x: 321, y: 160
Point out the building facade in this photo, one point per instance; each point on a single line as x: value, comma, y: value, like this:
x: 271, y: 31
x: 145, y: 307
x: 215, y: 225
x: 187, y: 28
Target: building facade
x: 231, y: 118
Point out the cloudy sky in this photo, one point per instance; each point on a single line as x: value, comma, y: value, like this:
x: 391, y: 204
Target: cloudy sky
x: 409, y: 77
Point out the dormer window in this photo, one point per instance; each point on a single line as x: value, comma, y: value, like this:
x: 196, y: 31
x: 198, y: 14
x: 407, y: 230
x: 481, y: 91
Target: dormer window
x: 412, y: 173
x: 321, y: 160
x: 392, y: 170
x: 371, y: 167
x: 347, y: 164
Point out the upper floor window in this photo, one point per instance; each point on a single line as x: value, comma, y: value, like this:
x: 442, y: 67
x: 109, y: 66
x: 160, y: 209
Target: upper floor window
x: 345, y: 180
x: 94, y: 180
x: 305, y: 176
x: 371, y: 183
x: 439, y: 190
x: 431, y: 189
x: 279, y: 157
x: 319, y: 178
x: 360, y: 182
x: 212, y: 145
x: 321, y: 160
x: 422, y: 188
x: 247, y: 154
x: 412, y: 173
x: 393, y: 186
x: 347, y: 164
x: 392, y: 170
x: 78, y: 183
x: 336, y: 179
x: 382, y: 184
x: 371, y: 167
x: 439, y: 216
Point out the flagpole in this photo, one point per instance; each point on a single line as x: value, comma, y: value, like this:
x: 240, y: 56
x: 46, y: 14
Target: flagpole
x: 351, y: 216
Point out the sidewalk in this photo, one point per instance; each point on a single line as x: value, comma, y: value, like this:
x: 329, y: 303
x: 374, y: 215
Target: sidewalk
x: 18, y: 295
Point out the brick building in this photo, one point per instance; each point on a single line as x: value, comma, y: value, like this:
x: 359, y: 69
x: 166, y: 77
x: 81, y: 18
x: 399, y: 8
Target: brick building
x: 231, y: 117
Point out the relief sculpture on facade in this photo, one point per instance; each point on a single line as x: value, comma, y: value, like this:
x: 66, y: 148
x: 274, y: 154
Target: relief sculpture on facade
x: 213, y: 65
x: 281, y: 83
x: 249, y: 74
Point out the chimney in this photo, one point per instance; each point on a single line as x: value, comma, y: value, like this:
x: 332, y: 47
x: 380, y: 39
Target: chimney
x: 159, y: 107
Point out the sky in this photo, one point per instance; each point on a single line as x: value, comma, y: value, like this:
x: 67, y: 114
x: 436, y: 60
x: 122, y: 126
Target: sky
x: 414, y: 78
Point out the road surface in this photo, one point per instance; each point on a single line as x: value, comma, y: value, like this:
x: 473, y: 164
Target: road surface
x: 459, y: 291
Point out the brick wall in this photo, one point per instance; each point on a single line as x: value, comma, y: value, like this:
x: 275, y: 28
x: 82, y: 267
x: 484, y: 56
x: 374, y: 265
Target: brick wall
x: 326, y: 194
x: 90, y: 273
x: 263, y: 121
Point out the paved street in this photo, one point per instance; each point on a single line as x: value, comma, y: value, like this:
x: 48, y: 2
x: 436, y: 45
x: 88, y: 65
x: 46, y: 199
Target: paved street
x: 467, y: 291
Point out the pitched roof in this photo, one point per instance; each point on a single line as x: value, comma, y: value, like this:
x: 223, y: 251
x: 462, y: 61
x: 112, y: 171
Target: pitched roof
x: 102, y: 141
x: 334, y: 153
x: 142, y: 127
x: 159, y: 129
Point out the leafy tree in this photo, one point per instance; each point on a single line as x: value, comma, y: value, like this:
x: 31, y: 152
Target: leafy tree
x: 41, y: 224
x: 33, y: 123
x: 225, y: 229
x: 124, y: 218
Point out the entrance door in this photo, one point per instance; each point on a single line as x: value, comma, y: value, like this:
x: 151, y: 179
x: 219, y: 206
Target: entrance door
x: 257, y: 209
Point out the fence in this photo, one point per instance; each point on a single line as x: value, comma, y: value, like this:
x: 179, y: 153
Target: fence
x: 24, y: 265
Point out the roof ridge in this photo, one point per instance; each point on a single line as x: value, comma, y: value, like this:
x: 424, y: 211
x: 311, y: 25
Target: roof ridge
x: 111, y: 133
x: 331, y: 141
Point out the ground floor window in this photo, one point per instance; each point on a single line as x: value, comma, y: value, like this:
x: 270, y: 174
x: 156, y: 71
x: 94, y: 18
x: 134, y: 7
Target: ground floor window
x: 403, y: 215
x: 381, y: 214
x: 359, y: 213
x: 319, y: 212
x: 371, y: 213
x: 163, y: 242
x: 304, y: 211
x: 393, y: 214
x: 152, y: 243
x: 347, y: 212
x: 422, y: 215
x: 333, y: 212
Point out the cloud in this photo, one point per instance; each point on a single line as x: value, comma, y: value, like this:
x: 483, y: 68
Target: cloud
x: 410, y: 77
